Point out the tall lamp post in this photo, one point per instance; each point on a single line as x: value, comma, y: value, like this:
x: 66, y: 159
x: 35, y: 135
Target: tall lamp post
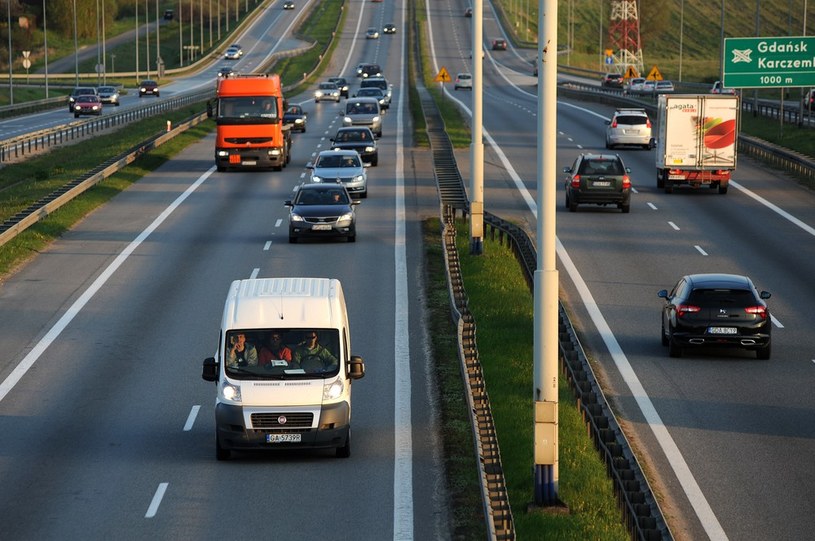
x: 681, y: 35
x: 45, y: 36
x: 10, y: 67
x: 76, y: 49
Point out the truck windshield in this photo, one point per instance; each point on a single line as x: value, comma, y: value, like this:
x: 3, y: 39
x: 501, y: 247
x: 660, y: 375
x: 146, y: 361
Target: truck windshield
x: 247, y: 109
x: 282, y: 353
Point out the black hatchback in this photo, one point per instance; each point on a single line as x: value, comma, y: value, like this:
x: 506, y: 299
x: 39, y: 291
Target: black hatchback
x: 359, y: 138
x: 716, y: 311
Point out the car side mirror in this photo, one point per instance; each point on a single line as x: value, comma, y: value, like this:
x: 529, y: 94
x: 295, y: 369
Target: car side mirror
x: 210, y: 369
x: 567, y: 169
x: 765, y: 294
x: 662, y: 294
x: 287, y: 203
x: 356, y: 367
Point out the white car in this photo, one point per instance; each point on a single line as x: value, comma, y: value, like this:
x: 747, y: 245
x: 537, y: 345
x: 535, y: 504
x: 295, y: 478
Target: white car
x: 233, y: 53
x: 327, y: 91
x: 634, y: 85
x: 343, y: 166
x: 372, y: 33
x: 463, y: 80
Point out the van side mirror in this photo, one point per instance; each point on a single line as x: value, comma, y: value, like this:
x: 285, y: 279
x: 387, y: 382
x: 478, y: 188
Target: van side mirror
x: 356, y: 367
x: 210, y: 371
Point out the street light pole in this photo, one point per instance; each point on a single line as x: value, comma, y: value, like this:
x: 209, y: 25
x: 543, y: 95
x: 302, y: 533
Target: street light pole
x: 76, y: 49
x: 10, y: 67
x: 681, y: 35
x: 45, y: 35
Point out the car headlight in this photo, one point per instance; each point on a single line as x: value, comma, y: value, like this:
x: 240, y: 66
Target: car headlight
x: 358, y: 178
x: 298, y: 121
x: 377, y: 119
x: 333, y: 390
x: 316, y: 178
x: 294, y: 217
x: 347, y: 217
x: 317, y: 94
x: 369, y: 149
x: 95, y: 107
x: 347, y: 120
x: 231, y: 392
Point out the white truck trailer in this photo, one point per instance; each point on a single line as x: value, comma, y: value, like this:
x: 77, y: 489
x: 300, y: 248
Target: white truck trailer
x: 697, y: 140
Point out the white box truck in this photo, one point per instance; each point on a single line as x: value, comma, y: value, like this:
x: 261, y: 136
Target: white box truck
x: 697, y: 139
x: 283, y: 368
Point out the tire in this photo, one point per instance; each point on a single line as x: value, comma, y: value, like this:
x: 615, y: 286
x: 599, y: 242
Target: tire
x: 660, y: 180
x: 220, y: 452
x: 571, y: 204
x: 352, y: 238
x: 345, y: 450
x: 626, y: 208
x: 566, y: 200
x: 673, y: 349
x: 220, y: 168
x: 669, y: 188
x: 722, y: 188
x: 664, y: 338
x: 364, y: 195
x: 763, y: 354
x: 76, y: 115
x: 374, y: 162
x: 292, y: 240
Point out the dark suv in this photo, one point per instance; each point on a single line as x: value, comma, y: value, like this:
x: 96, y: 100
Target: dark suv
x: 598, y: 179
x: 80, y: 91
x: 612, y: 80
x: 716, y: 311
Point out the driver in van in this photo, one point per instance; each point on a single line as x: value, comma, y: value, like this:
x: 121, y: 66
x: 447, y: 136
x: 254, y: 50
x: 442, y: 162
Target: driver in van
x: 310, y: 352
x: 241, y: 352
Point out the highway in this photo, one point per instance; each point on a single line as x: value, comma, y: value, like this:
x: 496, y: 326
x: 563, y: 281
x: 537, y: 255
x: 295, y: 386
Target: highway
x: 108, y: 427
x: 726, y: 437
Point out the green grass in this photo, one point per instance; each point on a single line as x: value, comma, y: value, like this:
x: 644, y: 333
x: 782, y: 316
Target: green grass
x: 504, y: 338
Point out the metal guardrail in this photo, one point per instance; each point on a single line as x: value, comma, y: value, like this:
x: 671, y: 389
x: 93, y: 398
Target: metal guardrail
x: 18, y: 147
x: 48, y: 204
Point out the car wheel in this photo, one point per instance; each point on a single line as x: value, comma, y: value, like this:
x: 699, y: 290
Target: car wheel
x: 571, y: 204
x: 609, y: 145
x: 364, y: 195
x: 763, y: 354
x: 345, y: 450
x: 352, y: 238
x: 664, y: 336
x: 374, y: 162
x: 625, y: 207
x: 673, y: 349
x: 292, y: 239
x: 220, y: 452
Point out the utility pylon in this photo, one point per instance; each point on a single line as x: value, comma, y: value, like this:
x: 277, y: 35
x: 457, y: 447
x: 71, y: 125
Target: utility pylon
x: 624, y: 36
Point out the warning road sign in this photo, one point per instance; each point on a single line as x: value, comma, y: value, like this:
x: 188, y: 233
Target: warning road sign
x: 443, y: 76
x: 631, y: 72
x: 654, y: 74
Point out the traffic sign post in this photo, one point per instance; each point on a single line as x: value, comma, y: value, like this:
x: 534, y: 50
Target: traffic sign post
x: 769, y: 62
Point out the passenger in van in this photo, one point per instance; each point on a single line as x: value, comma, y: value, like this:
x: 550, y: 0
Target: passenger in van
x: 274, y: 349
x: 241, y: 352
x: 312, y: 356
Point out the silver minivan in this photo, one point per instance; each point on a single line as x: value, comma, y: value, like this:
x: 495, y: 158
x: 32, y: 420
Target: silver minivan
x: 363, y: 112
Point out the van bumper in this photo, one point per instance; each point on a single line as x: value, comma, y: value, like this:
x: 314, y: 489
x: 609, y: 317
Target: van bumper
x: 329, y: 431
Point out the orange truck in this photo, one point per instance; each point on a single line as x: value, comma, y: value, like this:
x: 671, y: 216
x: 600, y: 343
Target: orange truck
x: 248, y: 111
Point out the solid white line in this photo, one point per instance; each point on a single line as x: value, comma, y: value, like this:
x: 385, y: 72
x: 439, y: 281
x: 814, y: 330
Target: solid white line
x: 774, y: 208
x: 151, y: 511
x: 402, y: 423
x: 29, y: 360
x: 699, y: 249
x: 191, y: 418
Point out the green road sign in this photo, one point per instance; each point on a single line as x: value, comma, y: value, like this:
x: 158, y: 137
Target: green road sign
x: 769, y: 62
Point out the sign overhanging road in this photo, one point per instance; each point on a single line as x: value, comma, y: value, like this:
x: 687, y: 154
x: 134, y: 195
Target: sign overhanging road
x: 769, y: 62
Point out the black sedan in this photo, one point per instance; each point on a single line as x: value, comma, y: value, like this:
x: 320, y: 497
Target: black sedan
x: 296, y: 117
x: 359, y: 138
x: 322, y: 209
x: 716, y: 311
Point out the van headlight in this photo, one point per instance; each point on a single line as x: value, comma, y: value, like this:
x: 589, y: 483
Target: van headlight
x: 231, y: 392
x: 333, y: 390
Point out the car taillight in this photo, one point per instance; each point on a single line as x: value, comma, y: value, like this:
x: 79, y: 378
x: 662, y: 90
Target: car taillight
x: 760, y: 311
x: 684, y: 309
x: 614, y: 123
x: 626, y: 182
x: 576, y: 181
x: 648, y: 123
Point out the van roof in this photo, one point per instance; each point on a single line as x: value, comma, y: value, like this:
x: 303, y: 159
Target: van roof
x: 261, y: 303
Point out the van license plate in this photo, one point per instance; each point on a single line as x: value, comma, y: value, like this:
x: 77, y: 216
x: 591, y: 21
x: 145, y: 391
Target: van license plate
x: 283, y: 438
x: 722, y: 330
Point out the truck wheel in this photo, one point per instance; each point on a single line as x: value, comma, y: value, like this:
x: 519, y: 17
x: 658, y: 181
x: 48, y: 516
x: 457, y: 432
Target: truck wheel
x: 660, y: 180
x: 723, y: 188
x: 220, y: 168
x: 669, y: 188
x: 220, y: 452
x: 345, y: 450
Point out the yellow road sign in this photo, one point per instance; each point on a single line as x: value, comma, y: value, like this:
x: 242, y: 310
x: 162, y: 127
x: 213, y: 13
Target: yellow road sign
x: 443, y: 76
x: 654, y: 74
x: 631, y: 72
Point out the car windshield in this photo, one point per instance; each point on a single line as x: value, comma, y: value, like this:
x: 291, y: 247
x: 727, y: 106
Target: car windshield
x: 337, y: 161
x: 287, y: 353
x: 713, y: 298
x: 601, y: 167
x: 107, y: 89
x: 329, y: 195
x: 250, y: 108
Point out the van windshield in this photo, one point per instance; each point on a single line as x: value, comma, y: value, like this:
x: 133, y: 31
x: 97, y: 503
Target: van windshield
x: 282, y: 353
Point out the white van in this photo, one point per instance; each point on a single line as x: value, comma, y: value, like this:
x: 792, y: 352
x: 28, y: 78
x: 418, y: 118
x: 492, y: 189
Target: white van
x: 283, y: 367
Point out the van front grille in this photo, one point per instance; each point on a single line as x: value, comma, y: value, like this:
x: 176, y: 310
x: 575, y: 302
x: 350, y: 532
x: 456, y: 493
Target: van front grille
x: 272, y: 420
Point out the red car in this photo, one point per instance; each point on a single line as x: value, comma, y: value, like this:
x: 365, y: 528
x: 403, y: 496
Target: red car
x: 148, y: 87
x: 87, y: 105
